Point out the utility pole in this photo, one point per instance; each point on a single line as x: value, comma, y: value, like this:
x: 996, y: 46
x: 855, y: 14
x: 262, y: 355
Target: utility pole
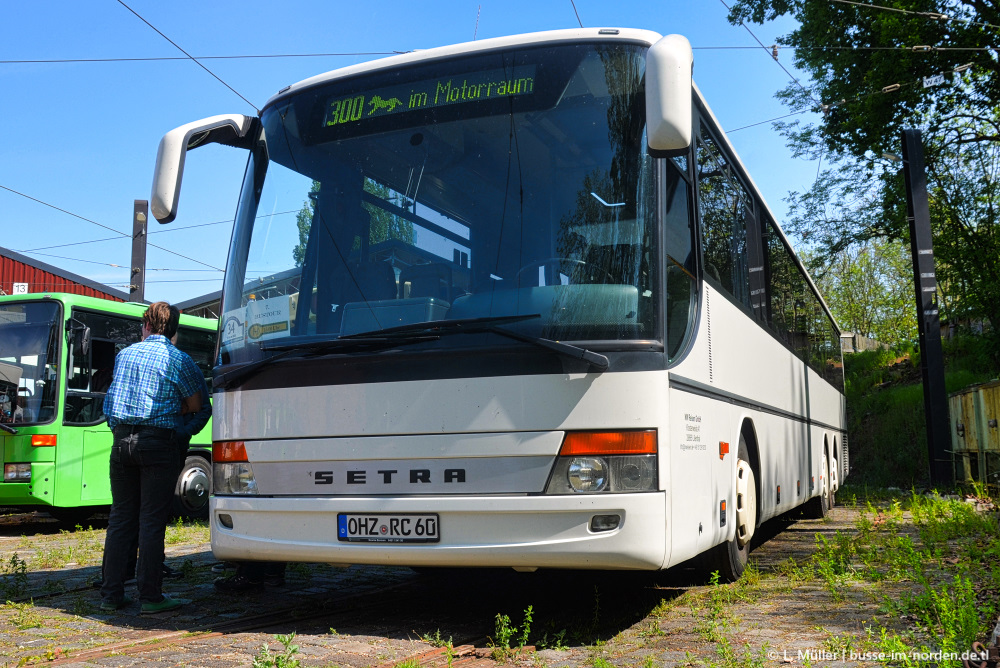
x: 928, y: 320
x: 137, y: 282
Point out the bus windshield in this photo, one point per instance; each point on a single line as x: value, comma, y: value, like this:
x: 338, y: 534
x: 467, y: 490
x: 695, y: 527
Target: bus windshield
x: 510, y: 183
x: 28, y: 362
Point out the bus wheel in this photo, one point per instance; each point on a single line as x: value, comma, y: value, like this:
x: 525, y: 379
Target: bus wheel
x: 731, y: 557
x: 194, y: 485
x: 817, y: 507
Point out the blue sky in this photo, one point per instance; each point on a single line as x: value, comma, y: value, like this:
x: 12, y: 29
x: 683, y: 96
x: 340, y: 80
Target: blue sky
x: 82, y: 136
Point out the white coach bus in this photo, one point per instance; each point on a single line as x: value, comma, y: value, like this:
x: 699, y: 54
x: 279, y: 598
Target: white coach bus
x: 511, y: 303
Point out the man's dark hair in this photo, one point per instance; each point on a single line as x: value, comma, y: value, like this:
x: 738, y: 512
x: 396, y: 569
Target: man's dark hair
x: 161, y: 318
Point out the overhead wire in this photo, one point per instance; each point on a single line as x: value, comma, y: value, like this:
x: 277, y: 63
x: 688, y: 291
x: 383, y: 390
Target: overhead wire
x: 101, y: 225
x: 195, y: 60
x: 50, y: 61
x: 576, y: 12
x: 936, y: 16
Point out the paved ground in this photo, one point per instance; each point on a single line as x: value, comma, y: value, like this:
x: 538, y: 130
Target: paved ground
x: 368, y: 617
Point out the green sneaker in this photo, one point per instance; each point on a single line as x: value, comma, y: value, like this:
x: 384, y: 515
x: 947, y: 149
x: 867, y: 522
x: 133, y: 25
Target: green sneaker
x: 163, y: 606
x: 111, y: 606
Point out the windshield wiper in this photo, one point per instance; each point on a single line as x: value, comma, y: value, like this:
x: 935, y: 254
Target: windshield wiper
x: 487, y: 325
x: 9, y: 430
x: 314, y: 347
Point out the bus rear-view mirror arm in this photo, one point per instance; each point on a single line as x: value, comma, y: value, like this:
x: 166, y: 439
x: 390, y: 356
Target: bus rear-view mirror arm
x: 669, y: 64
x: 230, y: 129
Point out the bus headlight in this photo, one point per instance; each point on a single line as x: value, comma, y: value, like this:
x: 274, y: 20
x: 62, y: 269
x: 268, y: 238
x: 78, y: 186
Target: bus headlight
x: 231, y: 470
x: 17, y: 472
x: 634, y: 474
x: 587, y: 474
x: 233, y: 478
x: 619, y: 474
x: 610, y: 462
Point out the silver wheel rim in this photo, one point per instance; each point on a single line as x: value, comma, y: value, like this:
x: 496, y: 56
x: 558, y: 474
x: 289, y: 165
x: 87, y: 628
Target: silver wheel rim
x: 746, y: 503
x: 824, y: 487
x: 194, y: 488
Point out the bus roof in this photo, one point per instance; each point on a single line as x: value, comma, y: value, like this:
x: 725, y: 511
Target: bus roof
x: 647, y: 37
x: 134, y: 309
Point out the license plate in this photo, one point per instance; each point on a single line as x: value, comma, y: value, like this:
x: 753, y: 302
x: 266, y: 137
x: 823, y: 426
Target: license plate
x: 379, y: 528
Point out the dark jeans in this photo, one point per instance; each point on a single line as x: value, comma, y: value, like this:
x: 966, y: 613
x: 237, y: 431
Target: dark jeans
x: 144, y: 468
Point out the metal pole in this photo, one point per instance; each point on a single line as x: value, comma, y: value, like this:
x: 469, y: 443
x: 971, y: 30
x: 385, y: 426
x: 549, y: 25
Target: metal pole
x: 928, y: 320
x: 137, y: 283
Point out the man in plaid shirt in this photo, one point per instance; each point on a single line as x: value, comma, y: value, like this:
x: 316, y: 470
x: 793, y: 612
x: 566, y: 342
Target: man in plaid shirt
x: 154, y: 385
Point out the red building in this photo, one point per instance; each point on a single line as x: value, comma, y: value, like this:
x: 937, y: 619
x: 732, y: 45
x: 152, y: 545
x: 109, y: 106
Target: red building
x: 20, y: 274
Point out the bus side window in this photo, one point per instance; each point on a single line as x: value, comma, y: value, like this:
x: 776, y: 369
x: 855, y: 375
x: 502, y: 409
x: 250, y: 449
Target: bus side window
x: 725, y: 209
x: 682, y: 288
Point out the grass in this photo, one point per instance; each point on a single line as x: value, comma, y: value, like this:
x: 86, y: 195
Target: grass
x: 187, y: 531
x: 923, y: 571
x: 951, y: 567
x: 885, y: 410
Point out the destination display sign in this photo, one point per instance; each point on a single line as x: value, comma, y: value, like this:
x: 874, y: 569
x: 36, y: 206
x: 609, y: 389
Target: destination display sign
x: 430, y: 93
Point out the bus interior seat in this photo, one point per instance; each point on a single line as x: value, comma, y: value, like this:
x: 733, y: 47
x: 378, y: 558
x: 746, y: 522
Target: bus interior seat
x: 426, y: 280
x: 356, y: 282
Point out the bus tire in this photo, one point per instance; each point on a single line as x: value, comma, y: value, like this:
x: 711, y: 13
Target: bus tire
x: 818, y: 507
x: 194, y: 486
x: 730, y: 558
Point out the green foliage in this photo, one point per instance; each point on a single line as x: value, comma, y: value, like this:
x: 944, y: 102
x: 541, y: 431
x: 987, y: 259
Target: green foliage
x: 850, y: 52
x: 435, y: 639
x: 555, y: 641
x: 13, y: 578
x: 409, y: 663
x: 869, y: 288
x: 509, y: 639
x: 283, y: 658
x: 383, y: 225
x: 25, y: 616
x: 943, y: 599
x: 885, y: 409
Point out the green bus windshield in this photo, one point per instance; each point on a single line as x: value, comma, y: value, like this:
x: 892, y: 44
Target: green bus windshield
x: 28, y: 362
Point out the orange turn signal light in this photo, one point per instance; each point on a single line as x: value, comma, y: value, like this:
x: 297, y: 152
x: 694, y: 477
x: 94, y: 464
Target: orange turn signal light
x: 43, y: 440
x: 229, y: 451
x: 637, y: 442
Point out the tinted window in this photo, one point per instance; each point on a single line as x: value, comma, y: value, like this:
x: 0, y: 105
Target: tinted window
x: 724, y: 207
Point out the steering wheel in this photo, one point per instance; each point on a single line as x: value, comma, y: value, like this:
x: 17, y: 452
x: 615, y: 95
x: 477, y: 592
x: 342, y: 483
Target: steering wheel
x: 558, y: 263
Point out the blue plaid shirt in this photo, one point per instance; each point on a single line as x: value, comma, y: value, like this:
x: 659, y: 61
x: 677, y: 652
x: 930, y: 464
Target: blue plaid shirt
x: 150, y: 379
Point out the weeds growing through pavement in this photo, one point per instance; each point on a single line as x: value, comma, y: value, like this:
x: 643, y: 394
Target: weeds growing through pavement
x: 435, y: 639
x: 284, y: 658
x: 957, y: 546
x: 509, y: 639
x: 13, y: 578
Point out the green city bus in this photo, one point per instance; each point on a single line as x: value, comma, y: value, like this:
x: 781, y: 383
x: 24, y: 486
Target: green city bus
x: 57, y: 353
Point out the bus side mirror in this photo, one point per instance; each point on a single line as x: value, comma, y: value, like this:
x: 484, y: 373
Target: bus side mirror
x: 229, y: 129
x: 668, y: 95
x: 85, y: 341
x: 79, y: 335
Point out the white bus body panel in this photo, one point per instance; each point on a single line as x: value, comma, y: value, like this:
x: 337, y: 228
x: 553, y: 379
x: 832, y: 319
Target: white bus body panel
x: 736, y: 372
x: 291, y: 433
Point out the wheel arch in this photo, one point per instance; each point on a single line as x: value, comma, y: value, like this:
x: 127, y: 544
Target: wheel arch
x: 749, y: 433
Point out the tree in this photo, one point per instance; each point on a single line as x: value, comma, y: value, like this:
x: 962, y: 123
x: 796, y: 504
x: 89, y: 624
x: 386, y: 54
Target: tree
x: 854, y: 52
x: 856, y: 55
x: 383, y: 225
x: 869, y: 288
